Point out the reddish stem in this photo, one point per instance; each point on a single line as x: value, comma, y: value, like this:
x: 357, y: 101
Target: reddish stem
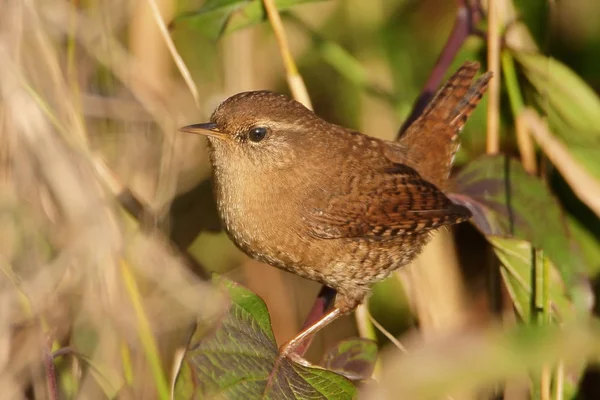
x: 50, y: 370
x: 467, y: 16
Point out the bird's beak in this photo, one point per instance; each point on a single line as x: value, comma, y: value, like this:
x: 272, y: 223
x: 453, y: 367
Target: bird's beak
x: 207, y: 129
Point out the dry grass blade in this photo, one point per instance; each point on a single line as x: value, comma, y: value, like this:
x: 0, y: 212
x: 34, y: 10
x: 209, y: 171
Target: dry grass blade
x: 185, y: 72
x: 107, y: 50
x: 524, y: 142
x: 65, y: 233
x: 585, y: 186
x: 295, y: 81
x: 388, y: 335
x: 493, y: 119
x: 144, y: 331
x: 526, y: 147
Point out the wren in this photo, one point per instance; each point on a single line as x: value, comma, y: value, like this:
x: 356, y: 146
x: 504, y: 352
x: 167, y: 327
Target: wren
x: 328, y: 203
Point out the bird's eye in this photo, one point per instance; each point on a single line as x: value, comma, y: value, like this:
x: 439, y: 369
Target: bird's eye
x: 257, y: 134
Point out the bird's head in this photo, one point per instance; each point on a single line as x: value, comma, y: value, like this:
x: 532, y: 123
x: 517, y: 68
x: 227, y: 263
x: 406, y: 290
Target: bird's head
x: 260, y: 128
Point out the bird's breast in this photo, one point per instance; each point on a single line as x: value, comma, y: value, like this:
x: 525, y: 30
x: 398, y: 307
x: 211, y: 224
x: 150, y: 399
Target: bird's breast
x: 261, y: 218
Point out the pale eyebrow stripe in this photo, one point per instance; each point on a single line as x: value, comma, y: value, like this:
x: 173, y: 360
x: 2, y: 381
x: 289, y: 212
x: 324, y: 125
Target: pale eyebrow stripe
x: 278, y: 125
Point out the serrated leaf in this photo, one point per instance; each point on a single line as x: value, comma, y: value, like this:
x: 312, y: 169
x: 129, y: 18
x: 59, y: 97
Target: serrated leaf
x: 353, y: 358
x: 516, y: 257
x: 218, y: 17
x: 238, y: 358
x: 508, y: 202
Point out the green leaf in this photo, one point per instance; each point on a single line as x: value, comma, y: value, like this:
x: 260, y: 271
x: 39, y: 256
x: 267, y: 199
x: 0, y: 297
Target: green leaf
x: 508, y: 202
x: 536, y: 16
x: 563, y: 89
x: 517, y: 258
x: 237, y: 357
x: 589, y: 243
x: 218, y: 17
x: 572, y: 107
x: 353, y: 358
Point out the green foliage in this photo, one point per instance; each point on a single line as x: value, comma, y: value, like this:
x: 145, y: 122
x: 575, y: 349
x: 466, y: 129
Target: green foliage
x: 237, y: 357
x: 519, y: 262
x: 353, y: 358
x: 573, y: 108
x: 566, y: 94
x: 506, y: 201
x: 219, y: 17
x: 535, y: 14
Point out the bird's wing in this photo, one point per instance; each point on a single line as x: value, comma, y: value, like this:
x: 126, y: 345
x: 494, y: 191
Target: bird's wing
x: 401, y: 203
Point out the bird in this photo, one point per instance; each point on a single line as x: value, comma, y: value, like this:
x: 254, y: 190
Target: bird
x: 332, y: 204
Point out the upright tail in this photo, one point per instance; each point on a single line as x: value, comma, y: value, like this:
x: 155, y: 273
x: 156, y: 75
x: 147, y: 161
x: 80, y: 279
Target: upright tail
x: 432, y: 140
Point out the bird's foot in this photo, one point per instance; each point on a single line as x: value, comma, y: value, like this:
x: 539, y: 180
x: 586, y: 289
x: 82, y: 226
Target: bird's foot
x: 295, y: 357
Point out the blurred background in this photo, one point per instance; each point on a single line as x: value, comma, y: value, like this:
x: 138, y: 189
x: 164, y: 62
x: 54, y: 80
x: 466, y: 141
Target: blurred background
x: 91, y: 103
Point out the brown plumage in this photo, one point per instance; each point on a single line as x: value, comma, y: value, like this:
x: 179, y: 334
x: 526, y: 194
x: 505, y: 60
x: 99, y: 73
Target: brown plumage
x: 327, y: 203
x: 432, y: 139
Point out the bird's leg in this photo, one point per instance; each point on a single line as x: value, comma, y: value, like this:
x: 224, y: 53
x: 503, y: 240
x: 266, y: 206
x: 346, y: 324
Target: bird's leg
x: 289, y: 347
x: 344, y: 304
x: 324, y: 300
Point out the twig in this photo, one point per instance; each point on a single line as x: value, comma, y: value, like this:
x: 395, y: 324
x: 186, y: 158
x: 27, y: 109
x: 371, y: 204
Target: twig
x: 493, y: 117
x: 295, y: 81
x: 388, y: 335
x: 51, y: 377
x: 467, y: 16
